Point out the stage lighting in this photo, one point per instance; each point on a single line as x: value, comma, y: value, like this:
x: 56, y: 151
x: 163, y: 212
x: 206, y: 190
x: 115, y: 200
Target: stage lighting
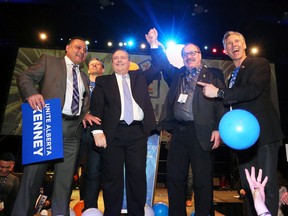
x: 170, y: 43
x: 130, y: 43
x: 143, y: 46
x: 254, y: 50
x: 43, y: 36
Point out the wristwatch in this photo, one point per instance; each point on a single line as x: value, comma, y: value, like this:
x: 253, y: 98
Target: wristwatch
x: 220, y: 93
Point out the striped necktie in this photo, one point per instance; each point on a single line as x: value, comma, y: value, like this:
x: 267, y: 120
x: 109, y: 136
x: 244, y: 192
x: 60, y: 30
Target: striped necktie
x: 75, y: 96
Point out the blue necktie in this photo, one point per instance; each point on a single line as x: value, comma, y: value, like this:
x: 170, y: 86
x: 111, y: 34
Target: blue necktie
x: 190, y: 75
x: 75, y: 96
x: 233, y: 77
x: 128, y: 106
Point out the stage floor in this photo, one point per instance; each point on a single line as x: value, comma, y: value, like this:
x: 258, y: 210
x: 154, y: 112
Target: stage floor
x: 220, y: 197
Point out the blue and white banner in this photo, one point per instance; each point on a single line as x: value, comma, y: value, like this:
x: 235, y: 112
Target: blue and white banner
x: 42, y: 138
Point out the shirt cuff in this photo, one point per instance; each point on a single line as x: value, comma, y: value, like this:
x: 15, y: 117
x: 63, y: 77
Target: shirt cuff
x: 154, y: 46
x: 96, y: 131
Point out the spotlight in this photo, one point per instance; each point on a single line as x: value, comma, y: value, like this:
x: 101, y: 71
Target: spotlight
x: 170, y: 43
x: 130, y: 43
x: 254, y: 50
x: 43, y: 36
x: 143, y: 46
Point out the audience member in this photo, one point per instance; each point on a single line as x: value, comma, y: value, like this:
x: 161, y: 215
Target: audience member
x: 54, y: 76
x: 122, y: 102
x: 257, y: 188
x: 9, y: 184
x: 193, y: 120
x: 250, y: 89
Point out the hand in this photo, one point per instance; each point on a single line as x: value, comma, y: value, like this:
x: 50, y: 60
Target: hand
x: 216, y: 138
x: 100, y: 140
x: 36, y: 101
x: 257, y: 189
x: 284, y: 198
x: 209, y: 90
x: 152, y: 36
x: 90, y: 119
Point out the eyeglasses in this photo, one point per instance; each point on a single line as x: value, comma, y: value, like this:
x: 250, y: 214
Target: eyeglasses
x: 192, y: 53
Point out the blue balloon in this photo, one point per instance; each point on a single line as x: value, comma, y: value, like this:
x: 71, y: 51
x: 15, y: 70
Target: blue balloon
x: 239, y: 129
x: 160, y: 209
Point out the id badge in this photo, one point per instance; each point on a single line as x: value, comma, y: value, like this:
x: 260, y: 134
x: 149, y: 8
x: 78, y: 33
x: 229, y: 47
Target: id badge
x: 182, y: 98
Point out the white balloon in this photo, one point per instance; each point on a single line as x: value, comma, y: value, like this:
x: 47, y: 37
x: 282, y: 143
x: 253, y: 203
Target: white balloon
x: 92, y: 212
x: 72, y: 212
x: 148, y: 210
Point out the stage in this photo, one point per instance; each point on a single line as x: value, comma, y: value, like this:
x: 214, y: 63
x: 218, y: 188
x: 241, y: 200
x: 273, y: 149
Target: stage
x: 226, y: 202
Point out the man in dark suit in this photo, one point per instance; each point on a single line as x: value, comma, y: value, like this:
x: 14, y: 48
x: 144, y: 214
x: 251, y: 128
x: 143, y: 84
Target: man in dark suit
x: 124, y: 140
x: 193, y: 120
x: 55, y: 80
x: 250, y: 89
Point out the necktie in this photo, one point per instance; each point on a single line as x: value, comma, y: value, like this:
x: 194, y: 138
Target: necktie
x: 190, y: 75
x: 75, y: 96
x: 194, y: 72
x: 128, y: 106
x: 233, y: 77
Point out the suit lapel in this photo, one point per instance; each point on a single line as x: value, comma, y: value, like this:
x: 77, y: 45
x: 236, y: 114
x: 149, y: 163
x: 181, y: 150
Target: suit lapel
x: 114, y: 88
x: 174, y: 88
x: 62, y: 76
x: 132, y: 76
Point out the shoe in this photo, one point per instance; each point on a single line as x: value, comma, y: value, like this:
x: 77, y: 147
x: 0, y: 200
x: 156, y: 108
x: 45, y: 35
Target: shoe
x: 189, y: 203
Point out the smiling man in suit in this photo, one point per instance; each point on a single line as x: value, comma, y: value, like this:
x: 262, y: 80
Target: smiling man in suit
x: 193, y: 121
x: 123, y: 136
x: 54, y: 76
x: 250, y: 89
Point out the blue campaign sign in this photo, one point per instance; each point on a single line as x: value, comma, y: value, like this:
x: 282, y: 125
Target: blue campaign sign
x: 42, y: 138
x: 153, y: 147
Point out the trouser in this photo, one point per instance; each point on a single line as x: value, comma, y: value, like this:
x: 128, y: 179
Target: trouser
x: 183, y: 150
x: 263, y: 157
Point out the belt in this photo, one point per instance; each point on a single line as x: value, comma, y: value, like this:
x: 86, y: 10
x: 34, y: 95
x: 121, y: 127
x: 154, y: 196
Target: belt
x: 185, y: 123
x: 69, y: 117
x: 123, y: 123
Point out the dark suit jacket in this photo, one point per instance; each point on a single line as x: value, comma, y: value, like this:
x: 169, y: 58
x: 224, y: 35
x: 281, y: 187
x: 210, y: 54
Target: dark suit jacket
x: 207, y: 112
x: 252, y: 92
x: 106, y: 102
x: 50, y: 73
